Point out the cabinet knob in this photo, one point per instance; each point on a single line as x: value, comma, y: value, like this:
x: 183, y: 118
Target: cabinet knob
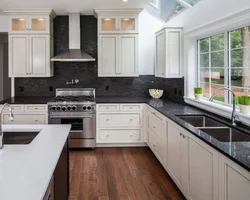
x: 131, y: 119
x: 107, y: 119
x: 131, y: 135
x: 184, y: 136
x: 131, y: 108
x: 107, y: 135
x: 154, y: 127
x: 181, y: 134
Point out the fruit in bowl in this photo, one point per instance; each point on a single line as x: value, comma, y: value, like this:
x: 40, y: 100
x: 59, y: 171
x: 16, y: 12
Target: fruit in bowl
x: 156, y: 93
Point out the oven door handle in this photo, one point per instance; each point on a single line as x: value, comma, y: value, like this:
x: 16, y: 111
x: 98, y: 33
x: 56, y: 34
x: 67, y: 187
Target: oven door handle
x: 70, y: 117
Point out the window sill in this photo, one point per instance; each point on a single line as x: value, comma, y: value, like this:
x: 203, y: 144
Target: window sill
x: 218, y: 109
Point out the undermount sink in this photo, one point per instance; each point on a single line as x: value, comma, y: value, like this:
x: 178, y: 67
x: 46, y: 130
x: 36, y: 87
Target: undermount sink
x: 226, y: 134
x: 18, y: 137
x: 200, y: 121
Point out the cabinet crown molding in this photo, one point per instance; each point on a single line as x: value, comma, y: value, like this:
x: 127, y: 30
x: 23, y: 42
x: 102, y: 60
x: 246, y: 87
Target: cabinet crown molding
x: 136, y: 11
x: 30, y: 12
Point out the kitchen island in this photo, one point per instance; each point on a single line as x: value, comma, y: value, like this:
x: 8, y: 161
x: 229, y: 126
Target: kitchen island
x: 26, y: 170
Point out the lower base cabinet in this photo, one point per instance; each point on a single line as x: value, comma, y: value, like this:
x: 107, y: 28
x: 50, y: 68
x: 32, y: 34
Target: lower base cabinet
x: 176, y: 158
x: 202, y: 170
x: 234, y: 181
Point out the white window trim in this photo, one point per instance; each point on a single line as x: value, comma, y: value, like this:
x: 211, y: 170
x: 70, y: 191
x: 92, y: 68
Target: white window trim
x: 229, y: 23
x: 156, y: 6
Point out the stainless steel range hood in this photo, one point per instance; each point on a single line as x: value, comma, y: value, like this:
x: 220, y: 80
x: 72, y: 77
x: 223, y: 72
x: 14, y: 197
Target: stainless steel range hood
x: 75, y: 54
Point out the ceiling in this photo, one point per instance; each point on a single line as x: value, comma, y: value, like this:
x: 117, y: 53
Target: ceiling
x: 65, y: 6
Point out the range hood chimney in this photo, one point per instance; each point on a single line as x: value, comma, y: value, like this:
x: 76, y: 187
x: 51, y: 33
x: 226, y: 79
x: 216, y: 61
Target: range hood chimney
x: 75, y: 54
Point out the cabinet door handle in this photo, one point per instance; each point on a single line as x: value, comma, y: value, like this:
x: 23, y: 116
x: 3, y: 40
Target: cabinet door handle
x: 184, y: 136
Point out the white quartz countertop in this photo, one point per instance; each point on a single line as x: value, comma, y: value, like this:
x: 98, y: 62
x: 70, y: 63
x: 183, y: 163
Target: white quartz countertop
x: 26, y: 170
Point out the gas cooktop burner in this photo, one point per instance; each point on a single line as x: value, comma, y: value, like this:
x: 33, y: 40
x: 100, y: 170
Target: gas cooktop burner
x: 74, y: 99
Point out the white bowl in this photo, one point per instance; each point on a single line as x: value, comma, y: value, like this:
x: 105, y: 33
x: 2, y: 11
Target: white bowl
x: 155, y: 93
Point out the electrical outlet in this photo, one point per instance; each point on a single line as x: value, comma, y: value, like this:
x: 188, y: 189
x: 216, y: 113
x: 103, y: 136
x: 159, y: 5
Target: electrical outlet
x: 175, y: 91
x: 180, y: 92
x: 51, y: 89
x: 107, y: 87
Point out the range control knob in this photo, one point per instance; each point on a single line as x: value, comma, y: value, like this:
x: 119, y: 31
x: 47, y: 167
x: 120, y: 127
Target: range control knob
x: 64, y: 108
x: 74, y: 107
x: 89, y: 107
x: 84, y: 107
x: 69, y: 108
x: 53, y: 108
x: 58, y: 107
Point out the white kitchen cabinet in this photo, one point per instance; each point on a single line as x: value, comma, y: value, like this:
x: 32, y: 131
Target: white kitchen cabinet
x: 30, y: 21
x: 120, y: 124
x: 24, y: 118
x: 30, y: 43
x: 157, y: 134
x: 177, y: 161
x: 234, y: 181
x: 202, y: 170
x: 108, y: 50
x: 118, y: 55
x: 118, y: 43
x: 29, y: 56
x: 169, y: 53
x: 117, y: 21
x: 26, y: 114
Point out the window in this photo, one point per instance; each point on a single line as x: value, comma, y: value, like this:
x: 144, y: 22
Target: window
x: 155, y: 3
x: 224, y: 61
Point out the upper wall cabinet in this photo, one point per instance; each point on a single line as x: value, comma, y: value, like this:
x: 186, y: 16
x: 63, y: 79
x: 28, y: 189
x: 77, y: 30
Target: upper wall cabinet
x: 117, y: 21
x: 118, y: 43
x: 169, y: 53
x: 33, y: 24
x: 30, y: 43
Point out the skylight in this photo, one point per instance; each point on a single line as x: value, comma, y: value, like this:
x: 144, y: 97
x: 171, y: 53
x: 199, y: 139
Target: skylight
x: 166, y: 9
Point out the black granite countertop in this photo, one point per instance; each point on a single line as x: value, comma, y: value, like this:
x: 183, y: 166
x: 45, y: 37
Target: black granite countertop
x: 239, y: 152
x: 27, y: 100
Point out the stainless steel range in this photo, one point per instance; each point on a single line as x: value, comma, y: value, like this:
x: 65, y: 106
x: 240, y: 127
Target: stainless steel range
x: 77, y: 107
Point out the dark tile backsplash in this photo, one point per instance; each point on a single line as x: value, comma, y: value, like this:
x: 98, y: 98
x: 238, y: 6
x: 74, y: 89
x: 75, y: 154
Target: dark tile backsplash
x: 87, y: 72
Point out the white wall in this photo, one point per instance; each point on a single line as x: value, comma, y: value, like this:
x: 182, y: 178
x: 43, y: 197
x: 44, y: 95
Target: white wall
x: 4, y: 23
x: 206, y: 12
x: 148, y: 25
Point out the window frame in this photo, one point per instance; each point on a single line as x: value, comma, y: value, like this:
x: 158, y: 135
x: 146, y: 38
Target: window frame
x: 227, y: 64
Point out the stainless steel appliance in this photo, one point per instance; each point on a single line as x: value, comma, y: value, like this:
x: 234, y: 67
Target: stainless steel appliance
x: 76, y: 106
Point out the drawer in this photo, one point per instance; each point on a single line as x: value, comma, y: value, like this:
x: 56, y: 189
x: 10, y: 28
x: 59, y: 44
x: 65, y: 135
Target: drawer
x: 155, y: 146
x: 119, y: 135
x: 159, y: 116
x: 108, y: 107
x: 157, y: 127
x: 36, y: 108
x: 15, y: 108
x: 25, y: 119
x: 124, y: 119
x: 129, y: 107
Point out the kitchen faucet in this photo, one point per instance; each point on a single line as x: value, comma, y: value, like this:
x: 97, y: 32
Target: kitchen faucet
x: 11, y: 118
x: 233, y: 118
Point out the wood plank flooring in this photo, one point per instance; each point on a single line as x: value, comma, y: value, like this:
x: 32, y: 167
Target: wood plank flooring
x: 119, y: 174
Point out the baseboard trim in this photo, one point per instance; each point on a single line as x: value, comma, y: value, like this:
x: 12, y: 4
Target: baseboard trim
x: 121, y: 145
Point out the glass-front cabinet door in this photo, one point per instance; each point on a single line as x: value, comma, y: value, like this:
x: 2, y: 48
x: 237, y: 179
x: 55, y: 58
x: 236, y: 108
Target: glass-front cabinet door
x: 128, y: 24
x: 108, y: 24
x: 39, y: 24
x: 19, y: 24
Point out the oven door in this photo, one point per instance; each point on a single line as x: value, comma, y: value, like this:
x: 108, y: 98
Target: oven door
x: 81, y: 127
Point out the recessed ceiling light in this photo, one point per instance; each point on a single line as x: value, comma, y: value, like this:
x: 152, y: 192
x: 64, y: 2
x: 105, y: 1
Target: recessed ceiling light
x: 125, y: 0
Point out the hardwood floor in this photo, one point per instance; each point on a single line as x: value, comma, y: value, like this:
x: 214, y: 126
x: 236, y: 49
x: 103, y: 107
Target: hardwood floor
x: 119, y: 174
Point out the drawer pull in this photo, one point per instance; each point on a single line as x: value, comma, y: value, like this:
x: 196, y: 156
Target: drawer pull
x: 107, y: 107
x: 36, y: 108
x: 36, y: 120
